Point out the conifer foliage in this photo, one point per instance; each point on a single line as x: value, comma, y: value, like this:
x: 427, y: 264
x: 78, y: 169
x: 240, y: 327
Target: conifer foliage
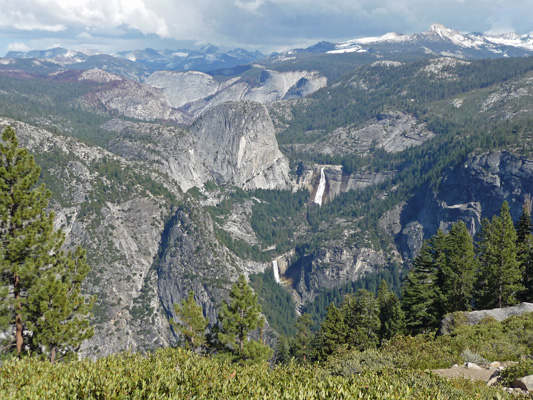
x: 499, y: 270
x: 193, y: 323
x: 240, y: 317
x: 40, y: 296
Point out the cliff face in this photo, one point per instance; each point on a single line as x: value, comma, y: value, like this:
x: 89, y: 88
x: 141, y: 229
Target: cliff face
x: 195, y: 92
x: 191, y: 258
x: 233, y: 143
x: 237, y: 145
x: 471, y: 191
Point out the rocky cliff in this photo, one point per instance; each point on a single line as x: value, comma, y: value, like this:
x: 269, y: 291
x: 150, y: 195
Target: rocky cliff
x: 195, y: 92
x: 470, y: 191
x: 233, y: 144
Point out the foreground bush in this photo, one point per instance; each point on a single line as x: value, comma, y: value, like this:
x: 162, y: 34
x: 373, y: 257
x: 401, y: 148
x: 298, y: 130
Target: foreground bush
x: 177, y: 374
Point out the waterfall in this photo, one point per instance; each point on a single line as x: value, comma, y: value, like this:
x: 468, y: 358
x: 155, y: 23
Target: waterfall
x: 276, y: 271
x: 321, y: 188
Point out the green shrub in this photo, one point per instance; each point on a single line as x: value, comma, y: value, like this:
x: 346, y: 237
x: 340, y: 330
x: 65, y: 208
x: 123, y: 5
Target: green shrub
x: 470, y: 356
x: 177, y: 374
x: 351, y: 362
x: 422, y: 351
x: 512, y: 372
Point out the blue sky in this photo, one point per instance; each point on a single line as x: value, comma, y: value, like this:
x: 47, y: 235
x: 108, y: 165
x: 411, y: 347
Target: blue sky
x: 265, y: 25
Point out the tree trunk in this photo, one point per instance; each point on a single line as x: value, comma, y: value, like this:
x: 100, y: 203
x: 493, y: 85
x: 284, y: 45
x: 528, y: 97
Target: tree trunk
x: 53, y: 355
x: 19, y: 341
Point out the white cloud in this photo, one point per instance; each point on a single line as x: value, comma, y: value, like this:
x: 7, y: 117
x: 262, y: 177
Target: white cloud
x: 17, y: 46
x: 267, y: 24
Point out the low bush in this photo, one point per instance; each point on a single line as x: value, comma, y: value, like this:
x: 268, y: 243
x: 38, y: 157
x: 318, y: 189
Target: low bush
x: 177, y: 374
x: 512, y: 372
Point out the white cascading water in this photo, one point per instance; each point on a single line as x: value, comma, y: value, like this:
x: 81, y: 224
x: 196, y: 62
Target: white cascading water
x: 276, y: 271
x: 321, y: 188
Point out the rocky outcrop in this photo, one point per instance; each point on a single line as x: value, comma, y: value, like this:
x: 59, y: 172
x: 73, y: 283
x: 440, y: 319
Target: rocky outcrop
x: 194, y: 92
x: 474, y: 317
x: 393, y: 132
x: 233, y: 144
x: 132, y: 99
x: 191, y: 258
x: 327, y: 268
x: 120, y: 223
x: 182, y: 88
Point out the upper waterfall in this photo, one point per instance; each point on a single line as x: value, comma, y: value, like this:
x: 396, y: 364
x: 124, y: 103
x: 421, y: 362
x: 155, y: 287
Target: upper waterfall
x: 321, y: 188
x: 276, y: 271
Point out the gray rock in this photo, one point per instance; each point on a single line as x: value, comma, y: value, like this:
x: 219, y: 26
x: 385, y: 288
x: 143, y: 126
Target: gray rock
x: 525, y: 383
x: 474, y: 317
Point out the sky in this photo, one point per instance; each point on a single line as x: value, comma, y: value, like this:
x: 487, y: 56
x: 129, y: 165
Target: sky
x: 265, y: 25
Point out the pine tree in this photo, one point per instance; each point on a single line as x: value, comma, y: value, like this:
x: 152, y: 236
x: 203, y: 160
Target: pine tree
x: 301, y: 345
x: 459, y: 270
x: 499, y: 278
x: 361, y: 315
x: 193, y: 323
x: 332, y: 334
x: 420, y: 292
x: 238, y: 319
x: 391, y: 315
x: 523, y: 225
x: 282, y: 351
x: 58, y: 310
x: 31, y: 260
x: 524, y: 245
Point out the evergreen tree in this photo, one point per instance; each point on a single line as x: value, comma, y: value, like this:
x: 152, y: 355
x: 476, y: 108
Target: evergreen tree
x: 282, y: 351
x: 361, y: 315
x: 420, y: 292
x: 332, y: 334
x: 459, y: 270
x: 301, y: 345
x: 31, y: 260
x: 238, y: 319
x: 391, y: 315
x: 499, y: 278
x: 193, y: 323
x: 523, y: 225
x: 57, y: 309
x: 524, y: 246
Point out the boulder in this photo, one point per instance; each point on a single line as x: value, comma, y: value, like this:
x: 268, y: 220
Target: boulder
x: 474, y: 317
x: 525, y: 383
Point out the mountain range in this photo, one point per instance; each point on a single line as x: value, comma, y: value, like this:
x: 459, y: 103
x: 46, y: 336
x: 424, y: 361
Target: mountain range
x: 437, y: 41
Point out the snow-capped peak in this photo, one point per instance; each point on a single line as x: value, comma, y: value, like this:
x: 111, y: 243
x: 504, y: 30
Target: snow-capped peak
x: 455, y: 37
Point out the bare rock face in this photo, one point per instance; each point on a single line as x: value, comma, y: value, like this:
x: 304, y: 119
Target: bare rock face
x: 119, y: 224
x: 182, y: 88
x: 192, y: 259
x: 337, y: 182
x: 394, y: 132
x: 233, y: 143
x: 236, y: 143
x: 195, y: 92
x: 132, y: 99
x: 327, y: 268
